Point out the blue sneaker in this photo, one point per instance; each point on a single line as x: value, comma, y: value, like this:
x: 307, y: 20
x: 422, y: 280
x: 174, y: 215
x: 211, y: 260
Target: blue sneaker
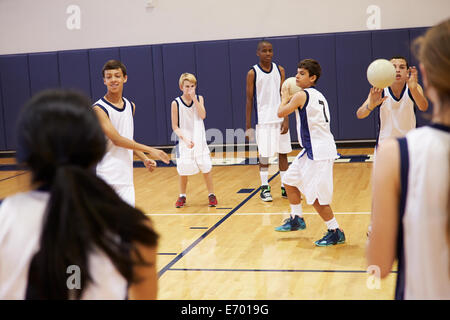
x: 331, y: 238
x: 292, y: 224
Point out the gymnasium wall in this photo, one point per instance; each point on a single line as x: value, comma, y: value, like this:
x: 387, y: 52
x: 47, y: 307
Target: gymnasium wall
x: 221, y: 68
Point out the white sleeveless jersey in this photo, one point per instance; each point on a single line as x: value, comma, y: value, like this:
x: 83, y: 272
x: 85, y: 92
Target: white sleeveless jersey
x: 21, y: 222
x: 193, y: 128
x: 267, y: 93
x: 426, y: 250
x: 396, y: 115
x: 313, y: 127
x: 116, y: 167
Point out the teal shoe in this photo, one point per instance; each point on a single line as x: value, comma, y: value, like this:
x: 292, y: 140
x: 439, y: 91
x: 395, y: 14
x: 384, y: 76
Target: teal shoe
x: 292, y: 224
x: 331, y: 238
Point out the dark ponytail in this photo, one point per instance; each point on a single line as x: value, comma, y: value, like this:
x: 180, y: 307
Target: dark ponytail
x: 60, y: 140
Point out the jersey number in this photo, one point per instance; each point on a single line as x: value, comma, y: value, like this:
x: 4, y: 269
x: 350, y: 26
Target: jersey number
x: 324, y: 113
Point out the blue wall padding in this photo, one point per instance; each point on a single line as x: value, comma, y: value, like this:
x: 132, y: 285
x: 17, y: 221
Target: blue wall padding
x: 221, y: 68
x: 74, y: 71
x: 44, y: 73
x: 15, y: 81
x: 353, y: 56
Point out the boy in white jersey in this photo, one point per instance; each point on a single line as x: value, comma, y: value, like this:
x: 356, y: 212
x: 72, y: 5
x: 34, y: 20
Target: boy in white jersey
x: 264, y: 82
x: 396, y: 102
x: 115, y: 114
x: 311, y: 173
x: 192, y: 152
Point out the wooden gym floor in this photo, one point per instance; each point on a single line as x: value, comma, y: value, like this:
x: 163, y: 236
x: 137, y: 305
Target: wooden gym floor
x: 233, y: 252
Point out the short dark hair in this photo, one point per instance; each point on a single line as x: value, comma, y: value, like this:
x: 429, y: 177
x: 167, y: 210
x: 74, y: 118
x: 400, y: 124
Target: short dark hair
x: 312, y: 66
x: 260, y: 43
x: 400, y: 57
x: 112, y: 65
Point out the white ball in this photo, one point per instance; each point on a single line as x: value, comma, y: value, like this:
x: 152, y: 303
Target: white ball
x: 381, y: 73
x: 291, y: 85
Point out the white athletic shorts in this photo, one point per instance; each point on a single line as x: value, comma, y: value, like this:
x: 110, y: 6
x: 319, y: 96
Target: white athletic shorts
x: 270, y: 141
x: 187, y: 166
x: 126, y: 192
x: 314, y: 178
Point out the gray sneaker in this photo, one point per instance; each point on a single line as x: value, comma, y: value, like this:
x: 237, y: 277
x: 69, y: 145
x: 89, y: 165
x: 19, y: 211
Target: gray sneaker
x: 265, y: 194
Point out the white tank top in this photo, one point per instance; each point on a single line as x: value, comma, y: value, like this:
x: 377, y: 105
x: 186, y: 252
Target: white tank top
x: 426, y: 251
x: 116, y: 167
x: 21, y: 222
x: 267, y: 93
x: 396, y: 115
x: 193, y: 128
x: 313, y: 127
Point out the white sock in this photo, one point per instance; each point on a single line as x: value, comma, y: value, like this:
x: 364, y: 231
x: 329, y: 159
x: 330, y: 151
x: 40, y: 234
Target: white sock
x: 264, y: 177
x: 332, y: 224
x: 182, y: 195
x: 281, y: 176
x: 211, y: 194
x: 296, y: 210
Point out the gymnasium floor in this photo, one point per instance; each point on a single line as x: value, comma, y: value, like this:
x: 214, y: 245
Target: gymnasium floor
x: 233, y: 252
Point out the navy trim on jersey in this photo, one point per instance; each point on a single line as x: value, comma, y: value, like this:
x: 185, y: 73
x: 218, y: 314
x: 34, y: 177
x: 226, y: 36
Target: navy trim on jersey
x: 404, y: 169
x: 271, y: 68
x: 114, y: 107
x: 401, y: 94
x: 103, y: 108
x: 178, y: 112
x: 187, y: 106
x: 255, y: 100
x: 439, y: 126
x: 304, y: 129
x: 279, y: 71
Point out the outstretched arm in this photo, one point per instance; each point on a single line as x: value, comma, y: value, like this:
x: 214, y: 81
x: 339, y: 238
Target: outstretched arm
x: 416, y: 90
x: 126, y: 143
x: 373, y: 100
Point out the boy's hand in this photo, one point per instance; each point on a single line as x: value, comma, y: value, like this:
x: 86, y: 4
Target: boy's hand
x: 285, y: 96
x: 412, y: 79
x: 189, y: 143
x: 250, y: 135
x: 375, y: 98
x: 191, y: 93
x: 150, y: 164
x: 284, y: 126
x: 161, y: 155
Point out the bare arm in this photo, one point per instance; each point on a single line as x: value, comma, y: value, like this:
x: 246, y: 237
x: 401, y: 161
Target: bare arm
x: 289, y: 104
x: 285, y: 123
x: 373, y: 100
x: 250, y: 89
x: 199, y: 105
x: 175, y: 125
x: 416, y: 90
x: 123, y: 142
x: 381, y: 247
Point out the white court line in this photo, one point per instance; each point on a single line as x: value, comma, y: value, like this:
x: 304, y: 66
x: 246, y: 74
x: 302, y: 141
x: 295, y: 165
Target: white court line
x: 245, y: 214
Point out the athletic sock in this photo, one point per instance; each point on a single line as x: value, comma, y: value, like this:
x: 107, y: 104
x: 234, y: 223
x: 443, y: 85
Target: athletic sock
x: 296, y: 210
x: 182, y: 195
x: 264, y: 177
x: 281, y: 176
x: 332, y: 224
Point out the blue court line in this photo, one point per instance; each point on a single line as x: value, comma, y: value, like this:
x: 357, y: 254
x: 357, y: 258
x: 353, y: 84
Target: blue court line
x: 203, y: 236
x: 19, y: 174
x: 270, y: 270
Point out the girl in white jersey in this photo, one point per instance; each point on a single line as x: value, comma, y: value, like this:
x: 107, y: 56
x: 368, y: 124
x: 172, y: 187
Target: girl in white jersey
x: 311, y: 173
x: 411, y: 192
x: 115, y: 114
x: 192, y: 152
x: 71, y: 237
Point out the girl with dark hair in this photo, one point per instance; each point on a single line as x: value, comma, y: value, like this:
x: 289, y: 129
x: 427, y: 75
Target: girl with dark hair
x: 410, y: 212
x: 71, y: 237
